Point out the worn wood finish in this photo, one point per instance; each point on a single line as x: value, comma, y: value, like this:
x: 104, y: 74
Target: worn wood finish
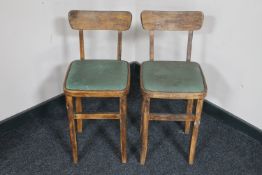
x: 142, y: 114
x: 119, y: 45
x: 72, y: 129
x: 189, y: 111
x: 123, y: 111
x: 195, y: 131
x: 167, y: 95
x: 79, y: 109
x: 96, y: 93
x: 144, y: 133
x: 189, y: 46
x: 112, y: 116
x: 151, y: 40
x: 171, y: 117
x: 82, y: 45
x: 100, y: 20
x: 174, y: 21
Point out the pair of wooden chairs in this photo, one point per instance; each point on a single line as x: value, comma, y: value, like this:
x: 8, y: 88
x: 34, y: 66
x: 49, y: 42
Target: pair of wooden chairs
x: 111, y: 78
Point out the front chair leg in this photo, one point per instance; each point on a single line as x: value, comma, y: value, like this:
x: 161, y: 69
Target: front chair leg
x: 79, y: 109
x: 123, y: 111
x: 72, y: 130
x: 189, y: 112
x: 195, y: 131
x: 144, y: 133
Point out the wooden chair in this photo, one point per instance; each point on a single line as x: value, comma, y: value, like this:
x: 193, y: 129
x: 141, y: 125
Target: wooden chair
x: 97, y: 78
x: 172, y: 79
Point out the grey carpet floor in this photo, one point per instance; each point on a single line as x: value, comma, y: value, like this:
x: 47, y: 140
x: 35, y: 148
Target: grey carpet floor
x: 37, y: 142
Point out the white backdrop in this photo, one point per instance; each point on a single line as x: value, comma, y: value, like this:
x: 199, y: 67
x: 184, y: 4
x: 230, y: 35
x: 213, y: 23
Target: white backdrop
x: 37, y: 44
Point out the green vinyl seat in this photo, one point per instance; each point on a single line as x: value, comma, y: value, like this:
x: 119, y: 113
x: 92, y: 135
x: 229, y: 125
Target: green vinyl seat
x: 172, y: 76
x: 97, y: 75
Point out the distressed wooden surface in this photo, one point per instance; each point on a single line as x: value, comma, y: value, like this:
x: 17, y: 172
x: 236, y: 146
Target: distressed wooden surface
x: 81, y: 45
x: 189, y: 110
x: 100, y: 20
x: 171, y: 117
x: 189, y: 46
x: 97, y: 20
x: 79, y: 109
x: 119, y: 45
x: 103, y: 116
x: 123, y: 112
x: 72, y: 129
x: 172, y: 20
x: 144, y: 131
x: 194, y: 137
x: 152, y: 46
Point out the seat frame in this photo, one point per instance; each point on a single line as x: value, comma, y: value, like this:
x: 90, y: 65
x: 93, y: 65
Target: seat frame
x: 97, y: 20
x: 171, y: 21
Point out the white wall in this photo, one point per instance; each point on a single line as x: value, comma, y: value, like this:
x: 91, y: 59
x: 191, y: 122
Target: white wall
x: 37, y: 44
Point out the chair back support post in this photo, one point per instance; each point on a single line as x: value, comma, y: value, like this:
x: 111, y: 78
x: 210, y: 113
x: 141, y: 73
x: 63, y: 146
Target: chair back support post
x: 119, y: 45
x: 189, y: 46
x: 151, y: 42
x: 82, y: 45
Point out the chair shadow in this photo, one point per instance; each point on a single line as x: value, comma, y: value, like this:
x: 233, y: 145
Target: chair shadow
x: 100, y: 132
x: 134, y: 110
x: 134, y: 145
x: 208, y: 135
x: 60, y: 131
x: 61, y: 134
x: 168, y: 135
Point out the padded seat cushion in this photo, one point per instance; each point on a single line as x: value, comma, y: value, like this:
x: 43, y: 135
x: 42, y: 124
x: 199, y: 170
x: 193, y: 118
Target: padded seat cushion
x: 97, y: 75
x: 172, y: 76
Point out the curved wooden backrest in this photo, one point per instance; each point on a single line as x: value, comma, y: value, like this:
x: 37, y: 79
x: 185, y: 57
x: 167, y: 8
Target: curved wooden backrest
x: 100, y: 20
x: 172, y: 20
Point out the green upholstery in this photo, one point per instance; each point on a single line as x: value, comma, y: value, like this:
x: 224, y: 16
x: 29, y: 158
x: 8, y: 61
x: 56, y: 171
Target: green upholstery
x: 97, y: 75
x: 172, y: 76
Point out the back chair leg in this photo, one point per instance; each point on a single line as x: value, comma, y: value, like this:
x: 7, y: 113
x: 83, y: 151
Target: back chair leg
x: 79, y: 109
x: 188, y: 111
x: 144, y: 133
x: 142, y: 115
x: 123, y: 111
x: 72, y: 129
x: 195, y: 131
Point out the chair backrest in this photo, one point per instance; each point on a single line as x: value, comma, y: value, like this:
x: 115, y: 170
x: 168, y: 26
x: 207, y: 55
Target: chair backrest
x: 172, y: 21
x: 100, y: 20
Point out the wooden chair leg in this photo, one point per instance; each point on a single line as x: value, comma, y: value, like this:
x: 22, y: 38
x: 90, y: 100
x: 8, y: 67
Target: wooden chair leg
x: 142, y: 116
x: 123, y: 111
x: 79, y: 109
x: 195, y: 131
x: 188, y: 111
x: 144, y: 134
x: 72, y: 129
